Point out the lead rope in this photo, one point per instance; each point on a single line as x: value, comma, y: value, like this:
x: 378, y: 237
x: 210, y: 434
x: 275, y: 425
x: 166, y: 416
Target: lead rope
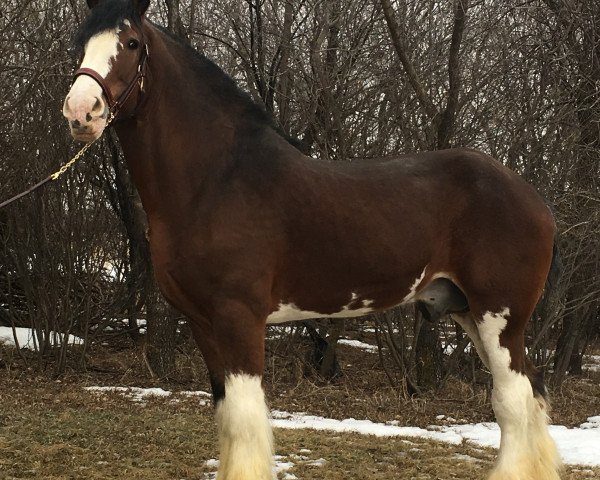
x: 56, y: 175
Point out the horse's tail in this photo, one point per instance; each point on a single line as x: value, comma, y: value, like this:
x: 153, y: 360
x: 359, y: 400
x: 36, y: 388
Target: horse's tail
x: 555, y: 267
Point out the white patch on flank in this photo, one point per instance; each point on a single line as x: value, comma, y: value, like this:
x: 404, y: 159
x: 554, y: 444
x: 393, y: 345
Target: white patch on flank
x: 288, y: 312
x: 413, y: 289
x: 526, y: 450
x: 245, y: 435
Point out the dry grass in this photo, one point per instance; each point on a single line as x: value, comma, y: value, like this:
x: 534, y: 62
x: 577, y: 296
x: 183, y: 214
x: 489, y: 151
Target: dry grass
x: 56, y: 430
x: 52, y: 431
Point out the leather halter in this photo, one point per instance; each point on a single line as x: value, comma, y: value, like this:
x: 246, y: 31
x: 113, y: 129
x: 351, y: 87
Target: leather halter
x: 115, y: 105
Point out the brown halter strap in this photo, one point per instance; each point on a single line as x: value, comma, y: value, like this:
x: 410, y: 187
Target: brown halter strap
x: 115, y: 105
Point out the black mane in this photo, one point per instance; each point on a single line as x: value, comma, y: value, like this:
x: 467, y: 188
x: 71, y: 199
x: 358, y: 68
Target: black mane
x: 228, y: 88
x: 106, y: 15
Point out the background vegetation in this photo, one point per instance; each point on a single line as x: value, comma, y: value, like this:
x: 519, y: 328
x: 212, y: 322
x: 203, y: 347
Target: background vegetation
x: 349, y: 78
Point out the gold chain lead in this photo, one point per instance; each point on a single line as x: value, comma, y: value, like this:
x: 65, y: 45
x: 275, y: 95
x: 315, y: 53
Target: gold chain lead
x: 78, y: 155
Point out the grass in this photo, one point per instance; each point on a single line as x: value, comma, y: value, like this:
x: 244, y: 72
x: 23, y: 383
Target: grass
x: 56, y: 430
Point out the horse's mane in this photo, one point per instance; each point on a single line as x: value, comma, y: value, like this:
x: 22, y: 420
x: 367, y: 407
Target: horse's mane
x: 226, y: 87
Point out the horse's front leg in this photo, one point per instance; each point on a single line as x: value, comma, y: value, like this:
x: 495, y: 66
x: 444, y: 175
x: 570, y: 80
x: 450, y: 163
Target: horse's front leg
x: 232, y: 344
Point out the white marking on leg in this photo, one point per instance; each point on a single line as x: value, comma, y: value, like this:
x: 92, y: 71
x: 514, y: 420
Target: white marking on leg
x: 526, y: 450
x: 245, y: 435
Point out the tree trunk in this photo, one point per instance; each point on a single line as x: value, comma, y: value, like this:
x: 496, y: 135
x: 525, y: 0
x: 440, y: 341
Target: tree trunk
x: 428, y: 353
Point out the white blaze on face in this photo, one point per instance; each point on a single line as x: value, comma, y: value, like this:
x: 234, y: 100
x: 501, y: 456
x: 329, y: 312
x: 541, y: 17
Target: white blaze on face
x: 85, y: 102
x: 100, y: 50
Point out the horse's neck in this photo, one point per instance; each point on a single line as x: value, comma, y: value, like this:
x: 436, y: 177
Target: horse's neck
x: 180, y: 138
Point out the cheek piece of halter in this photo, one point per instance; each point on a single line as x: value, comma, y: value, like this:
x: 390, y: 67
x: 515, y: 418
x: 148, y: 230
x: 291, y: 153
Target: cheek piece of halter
x: 115, y: 105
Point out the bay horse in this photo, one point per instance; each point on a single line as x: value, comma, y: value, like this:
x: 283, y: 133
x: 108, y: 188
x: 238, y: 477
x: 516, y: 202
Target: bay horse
x: 246, y: 231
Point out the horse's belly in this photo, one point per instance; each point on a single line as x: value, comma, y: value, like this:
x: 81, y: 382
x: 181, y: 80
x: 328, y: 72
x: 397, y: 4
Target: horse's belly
x: 289, y: 312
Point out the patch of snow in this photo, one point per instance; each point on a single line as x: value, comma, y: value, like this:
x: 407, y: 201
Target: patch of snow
x: 592, y: 422
x: 136, y: 394
x: 319, y: 462
x: 194, y: 393
x: 466, y: 458
x: 299, y: 421
x: 577, y: 446
x: 449, y: 348
x: 590, y: 367
x: 25, y: 338
x: 591, y: 363
x: 357, y: 344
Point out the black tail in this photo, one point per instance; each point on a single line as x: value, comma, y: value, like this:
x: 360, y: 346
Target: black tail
x: 555, y: 267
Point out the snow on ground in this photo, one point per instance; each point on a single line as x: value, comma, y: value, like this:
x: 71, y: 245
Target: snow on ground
x: 141, y: 395
x: 357, y: 344
x: 136, y: 394
x: 26, y: 339
x: 591, y: 363
x: 577, y: 446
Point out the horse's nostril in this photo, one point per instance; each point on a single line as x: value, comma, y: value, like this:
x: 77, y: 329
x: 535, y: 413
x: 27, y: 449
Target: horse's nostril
x: 88, y: 117
x: 98, y: 106
x: 75, y: 123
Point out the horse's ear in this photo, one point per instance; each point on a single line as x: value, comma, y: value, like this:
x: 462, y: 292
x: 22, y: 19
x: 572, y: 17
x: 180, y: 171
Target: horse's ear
x: 92, y: 3
x: 140, y: 6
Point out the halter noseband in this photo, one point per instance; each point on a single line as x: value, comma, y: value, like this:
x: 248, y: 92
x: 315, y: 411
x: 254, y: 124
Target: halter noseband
x: 115, y: 105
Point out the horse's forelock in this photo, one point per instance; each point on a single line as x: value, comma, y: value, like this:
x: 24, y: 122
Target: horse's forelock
x: 107, y: 15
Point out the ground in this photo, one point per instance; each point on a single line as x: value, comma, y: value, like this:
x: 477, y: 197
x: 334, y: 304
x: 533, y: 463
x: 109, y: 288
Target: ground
x: 56, y: 429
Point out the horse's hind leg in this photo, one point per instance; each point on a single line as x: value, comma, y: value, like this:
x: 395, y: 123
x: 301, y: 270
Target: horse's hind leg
x: 527, y: 452
x: 233, y: 348
x: 467, y: 322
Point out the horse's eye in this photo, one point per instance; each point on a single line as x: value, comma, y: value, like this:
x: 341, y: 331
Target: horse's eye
x: 133, y: 44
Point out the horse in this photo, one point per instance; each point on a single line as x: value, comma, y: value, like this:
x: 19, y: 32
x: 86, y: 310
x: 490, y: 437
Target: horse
x: 246, y: 231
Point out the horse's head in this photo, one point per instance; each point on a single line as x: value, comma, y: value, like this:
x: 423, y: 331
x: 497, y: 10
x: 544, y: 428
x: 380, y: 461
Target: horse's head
x: 114, y: 53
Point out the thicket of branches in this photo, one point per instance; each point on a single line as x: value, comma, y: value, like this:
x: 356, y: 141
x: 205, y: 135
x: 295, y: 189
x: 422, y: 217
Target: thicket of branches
x: 349, y: 78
